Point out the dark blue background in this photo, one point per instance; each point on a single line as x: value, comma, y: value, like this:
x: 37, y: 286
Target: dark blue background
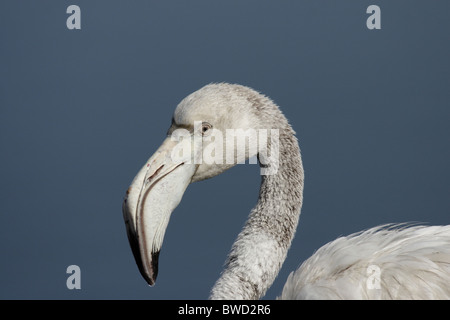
x: 82, y: 110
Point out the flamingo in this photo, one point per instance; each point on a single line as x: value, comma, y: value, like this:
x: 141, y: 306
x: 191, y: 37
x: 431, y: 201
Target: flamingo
x: 384, y: 262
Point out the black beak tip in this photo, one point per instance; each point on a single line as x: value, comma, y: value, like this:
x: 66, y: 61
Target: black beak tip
x: 150, y: 278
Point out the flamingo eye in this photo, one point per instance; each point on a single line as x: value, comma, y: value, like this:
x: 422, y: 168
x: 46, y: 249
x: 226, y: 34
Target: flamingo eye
x: 205, y: 127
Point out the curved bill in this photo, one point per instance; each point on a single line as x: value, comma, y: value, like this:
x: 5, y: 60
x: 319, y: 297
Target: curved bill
x: 154, y: 193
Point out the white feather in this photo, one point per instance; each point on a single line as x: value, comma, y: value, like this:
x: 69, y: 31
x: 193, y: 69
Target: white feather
x: 413, y: 263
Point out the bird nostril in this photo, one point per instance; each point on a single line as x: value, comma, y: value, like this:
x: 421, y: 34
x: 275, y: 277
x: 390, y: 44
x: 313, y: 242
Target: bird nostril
x: 155, y: 173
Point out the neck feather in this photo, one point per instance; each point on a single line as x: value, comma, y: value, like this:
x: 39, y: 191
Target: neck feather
x: 261, y: 247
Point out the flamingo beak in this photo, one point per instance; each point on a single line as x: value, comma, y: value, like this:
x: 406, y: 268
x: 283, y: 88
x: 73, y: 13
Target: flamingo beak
x: 154, y: 193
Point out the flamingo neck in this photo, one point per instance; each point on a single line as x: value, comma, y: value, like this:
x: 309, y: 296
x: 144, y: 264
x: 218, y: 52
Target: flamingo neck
x: 261, y: 247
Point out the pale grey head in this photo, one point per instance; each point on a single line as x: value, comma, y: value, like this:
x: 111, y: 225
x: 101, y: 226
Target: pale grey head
x: 261, y: 247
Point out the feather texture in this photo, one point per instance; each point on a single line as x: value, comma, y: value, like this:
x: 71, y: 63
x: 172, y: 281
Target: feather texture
x: 385, y: 262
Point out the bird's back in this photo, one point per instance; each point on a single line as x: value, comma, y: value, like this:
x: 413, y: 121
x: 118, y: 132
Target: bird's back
x: 386, y: 262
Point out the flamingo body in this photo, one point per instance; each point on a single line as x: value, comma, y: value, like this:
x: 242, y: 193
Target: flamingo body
x: 386, y: 262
